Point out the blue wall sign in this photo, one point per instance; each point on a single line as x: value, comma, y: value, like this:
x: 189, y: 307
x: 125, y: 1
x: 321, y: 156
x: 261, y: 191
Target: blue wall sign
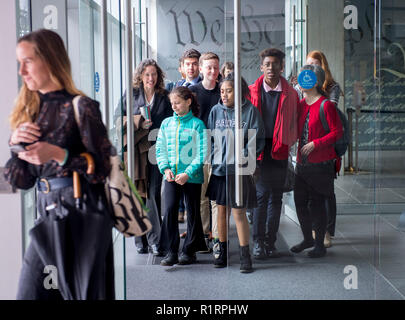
x: 307, y: 79
x: 96, y: 82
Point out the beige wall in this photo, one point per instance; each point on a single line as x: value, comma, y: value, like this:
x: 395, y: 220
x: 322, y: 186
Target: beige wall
x: 10, y: 213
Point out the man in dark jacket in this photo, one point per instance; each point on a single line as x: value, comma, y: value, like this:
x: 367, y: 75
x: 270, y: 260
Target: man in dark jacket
x: 277, y: 102
x: 189, y: 69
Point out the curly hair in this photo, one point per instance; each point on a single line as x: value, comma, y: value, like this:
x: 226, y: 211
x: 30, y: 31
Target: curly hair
x: 137, y: 78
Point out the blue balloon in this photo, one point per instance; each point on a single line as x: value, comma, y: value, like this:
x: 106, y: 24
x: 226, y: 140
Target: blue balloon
x: 307, y: 79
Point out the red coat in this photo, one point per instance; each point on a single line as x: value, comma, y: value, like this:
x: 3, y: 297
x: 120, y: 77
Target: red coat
x: 324, y: 142
x: 285, y: 128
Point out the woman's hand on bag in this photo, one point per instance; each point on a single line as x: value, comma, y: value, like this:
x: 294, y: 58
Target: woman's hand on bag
x: 42, y: 152
x: 169, y: 175
x: 181, y: 178
x: 26, y: 132
x: 308, y: 148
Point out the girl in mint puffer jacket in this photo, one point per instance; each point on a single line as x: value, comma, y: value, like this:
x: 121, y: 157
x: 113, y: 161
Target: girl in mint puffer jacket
x: 181, y: 149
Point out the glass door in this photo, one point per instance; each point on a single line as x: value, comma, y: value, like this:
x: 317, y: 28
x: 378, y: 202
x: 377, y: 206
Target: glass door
x: 83, y: 35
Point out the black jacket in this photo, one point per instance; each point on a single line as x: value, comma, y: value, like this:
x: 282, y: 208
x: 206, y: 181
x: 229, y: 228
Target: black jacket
x: 160, y: 110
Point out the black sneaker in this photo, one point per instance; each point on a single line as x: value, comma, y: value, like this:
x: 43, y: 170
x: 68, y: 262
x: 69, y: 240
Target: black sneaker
x: 207, y: 243
x: 169, y: 260
x: 155, y: 250
x: 187, y: 259
x: 302, y: 246
x: 142, y: 250
x: 259, y: 251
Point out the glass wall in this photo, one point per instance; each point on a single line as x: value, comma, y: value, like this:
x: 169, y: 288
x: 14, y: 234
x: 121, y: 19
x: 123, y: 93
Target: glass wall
x: 83, y: 27
x: 389, y: 145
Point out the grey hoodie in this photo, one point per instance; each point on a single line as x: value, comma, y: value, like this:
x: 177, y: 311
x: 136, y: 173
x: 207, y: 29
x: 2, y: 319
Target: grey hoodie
x: 221, y: 122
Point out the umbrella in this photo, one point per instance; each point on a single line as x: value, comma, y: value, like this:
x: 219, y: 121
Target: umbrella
x: 79, y: 245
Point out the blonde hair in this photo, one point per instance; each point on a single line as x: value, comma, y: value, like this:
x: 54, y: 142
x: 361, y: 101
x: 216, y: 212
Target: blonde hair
x: 208, y: 56
x: 49, y: 47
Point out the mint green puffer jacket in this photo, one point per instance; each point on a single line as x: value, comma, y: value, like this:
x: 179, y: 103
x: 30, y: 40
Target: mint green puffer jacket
x: 182, y: 146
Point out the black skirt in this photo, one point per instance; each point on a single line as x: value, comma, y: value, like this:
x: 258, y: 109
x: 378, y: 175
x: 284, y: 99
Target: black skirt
x: 222, y: 190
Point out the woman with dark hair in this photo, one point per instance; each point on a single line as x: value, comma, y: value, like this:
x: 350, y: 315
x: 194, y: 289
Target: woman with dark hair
x: 51, y: 143
x: 315, y: 169
x: 148, y: 91
x: 221, y: 188
x: 180, y: 151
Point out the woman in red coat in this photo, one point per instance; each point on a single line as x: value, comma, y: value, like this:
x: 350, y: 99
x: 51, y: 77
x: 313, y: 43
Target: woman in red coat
x: 315, y: 170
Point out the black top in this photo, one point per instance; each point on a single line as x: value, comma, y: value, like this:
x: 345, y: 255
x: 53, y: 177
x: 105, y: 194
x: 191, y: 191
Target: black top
x: 206, y: 99
x: 58, y: 126
x: 304, y: 137
x: 160, y: 109
x: 270, y: 101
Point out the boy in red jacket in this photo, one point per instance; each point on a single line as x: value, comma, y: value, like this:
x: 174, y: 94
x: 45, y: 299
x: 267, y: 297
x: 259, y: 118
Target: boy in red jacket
x: 277, y: 102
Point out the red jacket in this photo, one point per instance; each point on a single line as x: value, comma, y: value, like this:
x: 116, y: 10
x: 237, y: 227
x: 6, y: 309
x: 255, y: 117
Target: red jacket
x: 285, y: 128
x: 324, y: 142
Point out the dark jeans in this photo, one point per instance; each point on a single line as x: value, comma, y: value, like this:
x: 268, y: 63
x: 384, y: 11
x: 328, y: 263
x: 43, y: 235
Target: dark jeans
x: 182, y: 206
x: 269, y: 191
x: 266, y: 217
x: 169, y: 236
x: 313, y: 186
x: 153, y: 203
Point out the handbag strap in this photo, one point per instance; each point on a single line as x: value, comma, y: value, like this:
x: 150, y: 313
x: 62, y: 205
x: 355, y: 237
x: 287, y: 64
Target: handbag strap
x: 76, y: 109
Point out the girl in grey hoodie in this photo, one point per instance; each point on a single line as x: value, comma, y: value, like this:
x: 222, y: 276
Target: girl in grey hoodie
x: 221, y: 188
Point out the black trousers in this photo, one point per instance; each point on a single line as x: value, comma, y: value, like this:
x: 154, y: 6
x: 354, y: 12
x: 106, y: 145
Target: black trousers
x: 169, y: 236
x: 153, y: 203
x: 331, y: 214
x: 313, y: 186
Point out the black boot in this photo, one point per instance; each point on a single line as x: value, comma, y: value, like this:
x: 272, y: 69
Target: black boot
x: 319, y: 250
x: 245, y: 261
x: 222, y: 260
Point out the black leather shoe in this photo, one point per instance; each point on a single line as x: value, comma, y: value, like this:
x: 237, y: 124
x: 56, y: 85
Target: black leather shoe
x: 155, y: 251
x: 302, y: 246
x: 142, y: 250
x: 259, y: 251
x: 317, y: 253
x: 187, y: 259
x: 169, y: 260
x: 273, y: 253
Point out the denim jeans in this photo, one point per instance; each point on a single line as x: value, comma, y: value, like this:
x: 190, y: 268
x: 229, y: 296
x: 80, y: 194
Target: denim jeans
x: 266, y: 217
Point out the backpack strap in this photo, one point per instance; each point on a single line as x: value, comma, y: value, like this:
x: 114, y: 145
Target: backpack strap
x: 323, y: 117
